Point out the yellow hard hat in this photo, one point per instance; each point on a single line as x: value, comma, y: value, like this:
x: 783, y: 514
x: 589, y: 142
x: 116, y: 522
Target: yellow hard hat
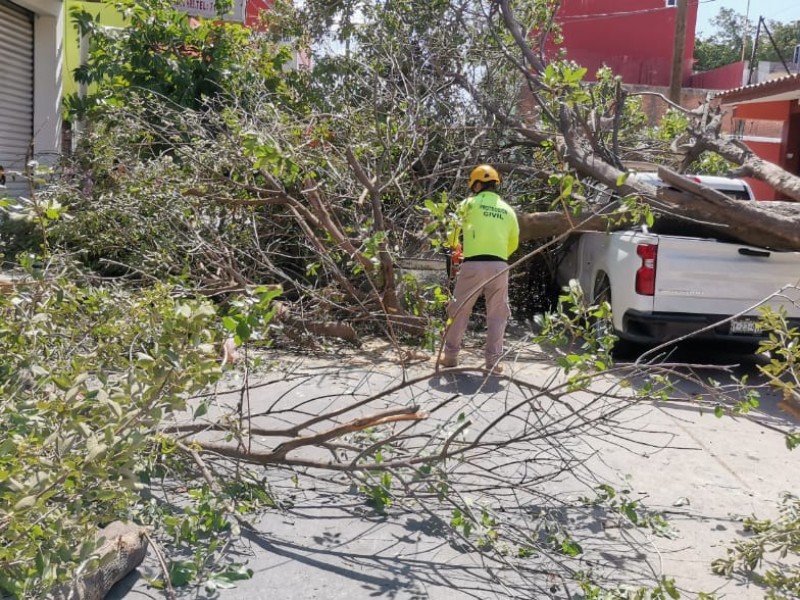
x: 483, y: 173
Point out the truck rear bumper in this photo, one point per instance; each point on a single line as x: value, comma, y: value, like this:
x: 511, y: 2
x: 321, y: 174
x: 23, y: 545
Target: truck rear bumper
x: 651, y: 328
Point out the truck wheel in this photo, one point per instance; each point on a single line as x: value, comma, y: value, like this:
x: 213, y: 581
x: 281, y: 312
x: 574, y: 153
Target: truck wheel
x: 602, y: 327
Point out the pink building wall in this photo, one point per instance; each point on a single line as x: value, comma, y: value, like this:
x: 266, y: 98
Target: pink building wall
x: 723, y: 78
x: 633, y: 37
x: 770, y: 151
x: 253, y: 11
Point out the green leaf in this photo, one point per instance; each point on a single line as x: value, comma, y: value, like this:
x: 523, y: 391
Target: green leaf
x: 95, y: 449
x: 631, y: 514
x: 62, y: 382
x: 234, y: 573
x: 26, y: 502
x: 669, y: 587
x: 570, y: 547
x: 457, y: 518
x: 467, y: 528
x: 181, y: 573
x: 242, y: 331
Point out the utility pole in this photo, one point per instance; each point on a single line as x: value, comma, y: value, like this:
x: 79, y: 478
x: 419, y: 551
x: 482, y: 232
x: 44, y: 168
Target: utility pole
x: 746, y: 28
x: 676, y: 75
x: 775, y: 47
x: 752, y: 66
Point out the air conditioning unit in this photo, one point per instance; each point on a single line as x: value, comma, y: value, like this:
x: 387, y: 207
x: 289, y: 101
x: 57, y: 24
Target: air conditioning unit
x: 796, y: 56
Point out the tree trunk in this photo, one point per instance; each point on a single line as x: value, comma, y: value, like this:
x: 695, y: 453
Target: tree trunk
x: 751, y: 165
x: 767, y: 224
x: 536, y: 226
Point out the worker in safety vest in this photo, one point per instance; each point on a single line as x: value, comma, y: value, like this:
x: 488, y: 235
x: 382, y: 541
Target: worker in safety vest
x: 490, y: 233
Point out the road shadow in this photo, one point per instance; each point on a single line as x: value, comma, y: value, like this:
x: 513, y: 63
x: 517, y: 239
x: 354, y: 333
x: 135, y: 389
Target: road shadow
x: 130, y: 584
x: 466, y: 383
x: 696, y: 367
x: 331, y: 544
x: 400, y: 555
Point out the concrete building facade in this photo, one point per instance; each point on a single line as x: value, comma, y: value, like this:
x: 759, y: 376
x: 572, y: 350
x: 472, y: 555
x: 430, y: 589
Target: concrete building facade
x: 39, y: 50
x: 31, y: 77
x: 634, y: 37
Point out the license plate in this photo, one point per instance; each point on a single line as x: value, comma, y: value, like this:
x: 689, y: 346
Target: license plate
x: 745, y: 326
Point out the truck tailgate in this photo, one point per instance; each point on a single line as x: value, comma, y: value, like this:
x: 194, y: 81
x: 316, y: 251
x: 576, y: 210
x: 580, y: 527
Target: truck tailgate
x: 705, y: 276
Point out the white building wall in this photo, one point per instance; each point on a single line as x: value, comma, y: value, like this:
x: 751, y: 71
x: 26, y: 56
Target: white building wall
x: 48, y: 65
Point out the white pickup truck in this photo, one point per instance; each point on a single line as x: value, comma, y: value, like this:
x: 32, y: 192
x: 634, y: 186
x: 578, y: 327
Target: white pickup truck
x: 662, y: 287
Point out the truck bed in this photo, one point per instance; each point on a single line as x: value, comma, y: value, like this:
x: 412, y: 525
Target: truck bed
x: 707, y: 276
x: 698, y: 282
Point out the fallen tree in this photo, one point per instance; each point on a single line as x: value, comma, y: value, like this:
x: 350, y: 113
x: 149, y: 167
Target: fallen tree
x: 772, y: 225
x: 750, y: 165
x: 582, y: 142
x: 321, y: 183
x: 318, y: 184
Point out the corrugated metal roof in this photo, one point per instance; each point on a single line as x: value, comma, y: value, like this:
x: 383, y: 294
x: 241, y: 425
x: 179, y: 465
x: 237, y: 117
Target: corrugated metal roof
x: 780, y: 88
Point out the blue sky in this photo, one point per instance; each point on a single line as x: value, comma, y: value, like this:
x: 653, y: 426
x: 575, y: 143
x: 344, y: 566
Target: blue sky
x: 776, y: 10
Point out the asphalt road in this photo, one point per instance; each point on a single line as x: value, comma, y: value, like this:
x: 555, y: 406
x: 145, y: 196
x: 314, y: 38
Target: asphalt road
x: 540, y: 448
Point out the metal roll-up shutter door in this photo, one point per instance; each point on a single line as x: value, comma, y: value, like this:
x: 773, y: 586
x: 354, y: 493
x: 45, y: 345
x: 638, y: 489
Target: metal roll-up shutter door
x: 16, y: 92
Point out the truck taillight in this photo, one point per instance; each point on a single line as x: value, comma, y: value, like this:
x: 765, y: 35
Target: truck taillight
x: 646, y: 274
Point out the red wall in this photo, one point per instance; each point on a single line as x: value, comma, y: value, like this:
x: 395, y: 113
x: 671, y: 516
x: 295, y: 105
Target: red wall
x: 253, y: 10
x: 791, y: 146
x: 774, y: 152
x: 633, y: 37
x: 724, y: 78
x: 766, y: 111
x: 770, y: 151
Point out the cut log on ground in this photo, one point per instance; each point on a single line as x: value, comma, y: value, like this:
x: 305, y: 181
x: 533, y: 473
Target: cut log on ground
x: 122, y: 548
x: 334, y: 329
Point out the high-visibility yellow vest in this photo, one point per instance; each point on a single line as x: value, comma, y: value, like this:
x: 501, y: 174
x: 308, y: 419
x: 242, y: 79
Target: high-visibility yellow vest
x: 489, y: 226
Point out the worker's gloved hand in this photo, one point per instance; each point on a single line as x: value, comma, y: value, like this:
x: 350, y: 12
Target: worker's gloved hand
x: 457, y: 255
x: 456, y: 258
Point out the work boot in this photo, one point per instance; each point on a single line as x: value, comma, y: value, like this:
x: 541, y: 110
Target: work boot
x: 447, y: 361
x: 494, y: 369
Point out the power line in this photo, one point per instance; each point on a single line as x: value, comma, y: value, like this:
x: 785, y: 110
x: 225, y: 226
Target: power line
x: 776, y: 10
x: 599, y: 16
x: 787, y: 5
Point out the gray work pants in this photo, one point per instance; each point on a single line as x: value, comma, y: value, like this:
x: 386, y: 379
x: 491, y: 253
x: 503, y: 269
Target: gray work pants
x: 489, y: 278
